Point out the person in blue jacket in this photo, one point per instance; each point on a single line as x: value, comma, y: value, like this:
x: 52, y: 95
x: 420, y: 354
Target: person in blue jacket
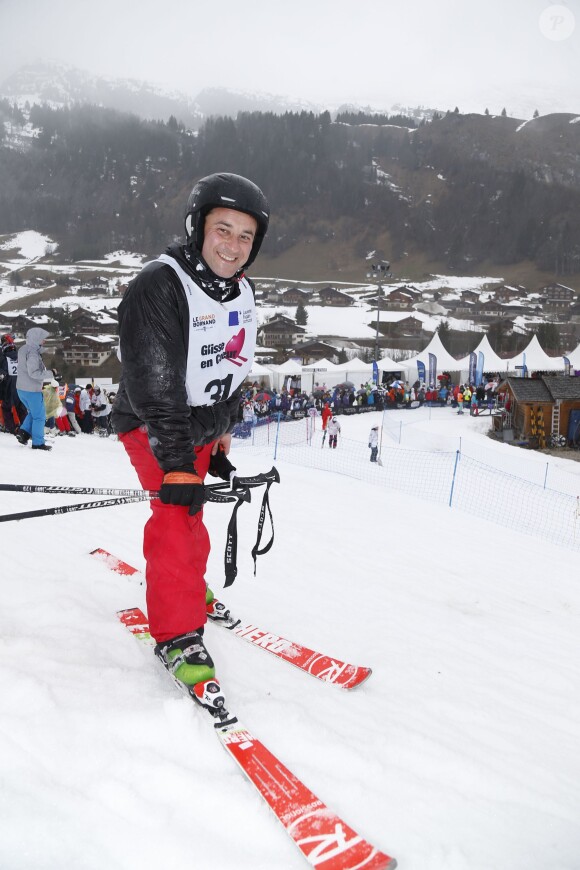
x: 31, y: 374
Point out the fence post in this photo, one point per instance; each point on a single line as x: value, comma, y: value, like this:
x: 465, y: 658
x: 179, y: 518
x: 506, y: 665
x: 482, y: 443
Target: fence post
x: 457, y: 455
x: 277, y: 433
x: 546, y: 474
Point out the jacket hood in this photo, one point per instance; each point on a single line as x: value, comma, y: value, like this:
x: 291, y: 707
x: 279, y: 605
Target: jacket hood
x: 35, y: 335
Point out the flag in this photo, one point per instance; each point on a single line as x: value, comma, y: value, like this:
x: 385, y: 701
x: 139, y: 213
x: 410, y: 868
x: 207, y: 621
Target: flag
x: 472, y: 367
x: 479, y: 369
x: 432, y: 369
x: 375, y: 372
x: 421, y: 371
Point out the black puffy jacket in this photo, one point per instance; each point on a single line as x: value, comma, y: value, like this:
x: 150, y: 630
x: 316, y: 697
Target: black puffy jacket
x: 154, y: 337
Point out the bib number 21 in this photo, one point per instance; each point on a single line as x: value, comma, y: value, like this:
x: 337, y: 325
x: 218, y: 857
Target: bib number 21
x: 218, y: 390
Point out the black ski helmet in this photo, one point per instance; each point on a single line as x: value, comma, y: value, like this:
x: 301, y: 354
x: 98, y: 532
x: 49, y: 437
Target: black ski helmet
x: 225, y: 190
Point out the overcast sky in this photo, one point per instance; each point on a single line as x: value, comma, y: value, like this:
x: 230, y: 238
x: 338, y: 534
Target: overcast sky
x: 440, y: 53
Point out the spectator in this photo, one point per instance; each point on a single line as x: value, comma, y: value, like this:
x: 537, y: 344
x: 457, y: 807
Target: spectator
x: 333, y: 431
x: 374, y: 443
x: 9, y: 399
x: 52, y: 405
x: 31, y: 374
x: 100, y: 409
x: 72, y: 408
x: 85, y: 418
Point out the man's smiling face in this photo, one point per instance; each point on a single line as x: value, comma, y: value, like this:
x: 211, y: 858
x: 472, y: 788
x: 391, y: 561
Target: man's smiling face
x: 228, y: 237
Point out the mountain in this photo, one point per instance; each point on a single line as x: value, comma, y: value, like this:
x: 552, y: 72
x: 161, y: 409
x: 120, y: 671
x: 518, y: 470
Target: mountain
x: 59, y: 85
x: 461, y: 192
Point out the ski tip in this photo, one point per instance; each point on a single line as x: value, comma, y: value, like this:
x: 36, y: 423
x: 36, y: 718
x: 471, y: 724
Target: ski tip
x: 361, y: 677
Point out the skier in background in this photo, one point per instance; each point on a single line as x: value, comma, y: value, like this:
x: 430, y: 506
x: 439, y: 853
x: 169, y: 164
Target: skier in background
x: 187, y: 327
x: 333, y: 431
x: 374, y: 443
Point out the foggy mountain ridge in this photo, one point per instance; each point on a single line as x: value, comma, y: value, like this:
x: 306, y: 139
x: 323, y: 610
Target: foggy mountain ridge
x: 61, y: 85
x: 460, y: 190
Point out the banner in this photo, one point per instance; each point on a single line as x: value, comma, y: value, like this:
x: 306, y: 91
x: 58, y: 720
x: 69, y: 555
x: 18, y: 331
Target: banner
x: 375, y: 372
x: 421, y: 371
x: 479, y: 369
x: 432, y: 370
x: 472, y: 367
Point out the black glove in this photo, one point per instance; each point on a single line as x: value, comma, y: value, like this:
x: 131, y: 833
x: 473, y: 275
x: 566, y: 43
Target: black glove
x: 182, y: 486
x: 220, y: 465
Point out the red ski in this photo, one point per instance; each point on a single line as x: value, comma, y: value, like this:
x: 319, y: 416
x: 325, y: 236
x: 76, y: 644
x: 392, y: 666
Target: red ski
x: 326, y: 842
x: 319, y: 665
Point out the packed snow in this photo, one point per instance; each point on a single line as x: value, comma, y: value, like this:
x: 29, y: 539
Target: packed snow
x: 459, y: 753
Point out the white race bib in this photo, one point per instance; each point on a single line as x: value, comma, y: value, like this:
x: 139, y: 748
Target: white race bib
x: 222, y: 340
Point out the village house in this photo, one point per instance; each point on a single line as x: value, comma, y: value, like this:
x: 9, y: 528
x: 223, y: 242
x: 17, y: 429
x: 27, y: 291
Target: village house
x: 312, y: 351
x: 88, y: 350
x: 507, y: 294
x: 408, y: 326
x: 294, y: 296
x: 280, y: 332
x: 557, y: 298
x: 401, y: 298
x: 332, y: 296
x: 87, y: 322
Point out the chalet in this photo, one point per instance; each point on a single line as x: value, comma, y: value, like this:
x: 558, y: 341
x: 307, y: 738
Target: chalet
x: 469, y: 296
x: 491, y: 309
x: 89, y: 349
x: 272, y: 294
x: 408, y: 326
x: 332, y: 296
x: 22, y: 323
x: 401, y: 297
x: 557, y: 293
x: 280, y: 332
x: 294, y: 296
x: 543, y: 407
x: 506, y: 294
x: 312, y: 351
x: 557, y: 298
x: 95, y: 287
x: 86, y: 322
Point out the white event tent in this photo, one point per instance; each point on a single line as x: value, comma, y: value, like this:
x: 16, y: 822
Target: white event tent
x: 260, y: 373
x: 491, y: 361
x: 535, y: 358
x: 444, y: 362
x: 322, y: 371
x: 574, y: 357
x: 280, y: 374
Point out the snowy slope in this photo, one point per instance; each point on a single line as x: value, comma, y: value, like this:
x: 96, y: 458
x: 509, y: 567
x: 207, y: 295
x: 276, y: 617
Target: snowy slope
x: 460, y: 752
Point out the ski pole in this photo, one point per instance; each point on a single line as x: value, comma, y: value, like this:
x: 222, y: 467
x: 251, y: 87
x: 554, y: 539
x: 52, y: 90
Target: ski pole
x: 89, y: 490
x: 237, y: 483
x: 70, y: 508
x: 214, y: 496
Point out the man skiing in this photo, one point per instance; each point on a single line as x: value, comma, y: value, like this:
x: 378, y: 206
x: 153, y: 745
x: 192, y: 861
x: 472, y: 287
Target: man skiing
x: 187, y: 327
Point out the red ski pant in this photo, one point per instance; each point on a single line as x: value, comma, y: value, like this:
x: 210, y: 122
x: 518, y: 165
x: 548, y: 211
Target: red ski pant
x: 175, y: 545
